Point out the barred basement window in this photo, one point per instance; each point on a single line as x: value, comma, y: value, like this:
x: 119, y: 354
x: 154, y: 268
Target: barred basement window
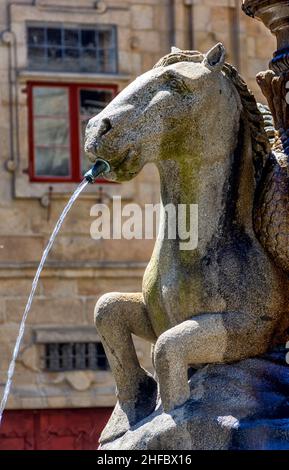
x: 72, y: 48
x: 74, y: 356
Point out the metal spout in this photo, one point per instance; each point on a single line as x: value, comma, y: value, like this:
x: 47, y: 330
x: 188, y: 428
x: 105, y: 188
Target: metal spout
x: 100, y: 166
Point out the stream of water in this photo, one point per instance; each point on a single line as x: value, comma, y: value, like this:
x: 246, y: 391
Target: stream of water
x: 11, y: 369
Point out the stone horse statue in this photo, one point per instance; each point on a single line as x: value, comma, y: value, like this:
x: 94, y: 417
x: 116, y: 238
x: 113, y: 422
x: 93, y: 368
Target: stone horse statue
x: 193, y: 116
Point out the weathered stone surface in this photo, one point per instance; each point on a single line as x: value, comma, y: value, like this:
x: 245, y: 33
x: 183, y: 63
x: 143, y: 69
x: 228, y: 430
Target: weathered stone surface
x: 65, y: 248
x: 89, y: 287
x: 142, y: 16
x: 203, y: 303
x: 235, y: 406
x: 26, y: 248
x: 55, y: 287
x: 29, y: 358
x: 148, y: 41
x: 66, y: 334
x: 10, y: 288
x: 47, y: 310
x: 79, y: 380
x: 2, y: 311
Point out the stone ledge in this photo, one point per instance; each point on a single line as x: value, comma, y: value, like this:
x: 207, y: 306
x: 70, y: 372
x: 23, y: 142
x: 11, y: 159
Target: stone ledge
x: 70, y: 77
x: 77, y: 269
x: 74, y: 334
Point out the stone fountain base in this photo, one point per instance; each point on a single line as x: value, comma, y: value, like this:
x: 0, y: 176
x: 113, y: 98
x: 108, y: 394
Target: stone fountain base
x: 238, y: 406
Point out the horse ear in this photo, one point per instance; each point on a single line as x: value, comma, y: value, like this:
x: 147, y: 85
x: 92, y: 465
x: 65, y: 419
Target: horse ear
x: 215, y: 58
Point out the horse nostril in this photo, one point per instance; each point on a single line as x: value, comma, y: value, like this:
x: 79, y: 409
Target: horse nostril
x: 90, y: 148
x: 104, y: 127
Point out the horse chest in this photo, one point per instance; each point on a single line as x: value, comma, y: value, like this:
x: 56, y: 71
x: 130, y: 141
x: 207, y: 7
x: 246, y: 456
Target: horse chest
x: 173, y: 295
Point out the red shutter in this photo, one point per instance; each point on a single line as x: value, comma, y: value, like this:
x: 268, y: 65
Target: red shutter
x: 62, y: 429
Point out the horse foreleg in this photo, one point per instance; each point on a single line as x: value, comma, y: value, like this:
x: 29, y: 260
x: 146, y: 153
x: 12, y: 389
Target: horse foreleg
x: 207, y: 338
x: 117, y: 317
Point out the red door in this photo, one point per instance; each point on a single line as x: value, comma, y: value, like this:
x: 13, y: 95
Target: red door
x: 64, y: 429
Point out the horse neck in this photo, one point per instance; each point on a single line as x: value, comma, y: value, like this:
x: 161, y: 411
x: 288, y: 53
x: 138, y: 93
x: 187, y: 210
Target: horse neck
x: 222, y: 185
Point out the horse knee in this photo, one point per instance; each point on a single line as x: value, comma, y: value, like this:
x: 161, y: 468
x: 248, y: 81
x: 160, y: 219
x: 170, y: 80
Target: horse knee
x: 166, y: 351
x: 106, y: 311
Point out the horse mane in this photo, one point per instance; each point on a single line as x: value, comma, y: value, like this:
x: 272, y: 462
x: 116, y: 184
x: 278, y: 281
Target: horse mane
x: 261, y: 147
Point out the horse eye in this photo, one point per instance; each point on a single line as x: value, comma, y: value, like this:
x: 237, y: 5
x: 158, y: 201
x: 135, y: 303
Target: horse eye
x: 178, y: 85
x: 174, y: 83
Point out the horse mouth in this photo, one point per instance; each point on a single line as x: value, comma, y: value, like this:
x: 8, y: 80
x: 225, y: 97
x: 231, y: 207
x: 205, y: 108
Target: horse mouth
x: 99, y: 151
x: 124, y: 159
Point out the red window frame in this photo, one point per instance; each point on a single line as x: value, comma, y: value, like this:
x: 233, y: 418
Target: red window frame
x: 74, y: 124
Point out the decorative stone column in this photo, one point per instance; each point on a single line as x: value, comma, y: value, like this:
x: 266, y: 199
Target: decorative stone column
x: 274, y: 83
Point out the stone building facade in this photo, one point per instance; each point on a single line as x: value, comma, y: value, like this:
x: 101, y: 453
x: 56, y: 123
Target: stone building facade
x: 131, y: 36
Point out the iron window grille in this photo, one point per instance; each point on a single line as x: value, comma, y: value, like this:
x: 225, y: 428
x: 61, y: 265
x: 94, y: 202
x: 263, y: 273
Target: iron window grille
x: 72, y: 48
x: 60, y: 357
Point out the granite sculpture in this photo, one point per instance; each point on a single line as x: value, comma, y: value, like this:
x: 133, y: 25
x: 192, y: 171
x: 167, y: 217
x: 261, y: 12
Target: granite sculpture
x: 226, y: 301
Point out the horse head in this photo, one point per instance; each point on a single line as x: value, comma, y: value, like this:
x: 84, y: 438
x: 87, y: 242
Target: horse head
x: 180, y: 108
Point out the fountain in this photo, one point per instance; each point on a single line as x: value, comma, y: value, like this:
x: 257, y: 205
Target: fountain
x: 100, y: 167
x: 221, y: 310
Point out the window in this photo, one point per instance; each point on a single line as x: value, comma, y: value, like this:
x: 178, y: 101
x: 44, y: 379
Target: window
x: 58, y: 115
x: 72, y: 48
x: 74, y: 356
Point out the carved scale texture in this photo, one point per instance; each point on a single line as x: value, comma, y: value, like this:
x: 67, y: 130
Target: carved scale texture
x: 271, y: 211
x: 271, y: 205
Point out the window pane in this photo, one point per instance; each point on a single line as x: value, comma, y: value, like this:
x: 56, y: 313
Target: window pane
x: 106, y: 62
x: 80, y: 356
x: 54, y: 55
x: 88, y: 59
x: 37, y: 55
x: 36, y: 36
x: 51, y: 162
x: 88, y: 38
x: 85, y: 163
x: 71, y: 37
x: 104, y: 39
x: 75, y: 356
x: 51, y: 132
x: 92, y: 102
x: 71, y: 57
x: 87, y: 49
x: 54, y: 36
x: 50, y: 101
x: 101, y: 357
